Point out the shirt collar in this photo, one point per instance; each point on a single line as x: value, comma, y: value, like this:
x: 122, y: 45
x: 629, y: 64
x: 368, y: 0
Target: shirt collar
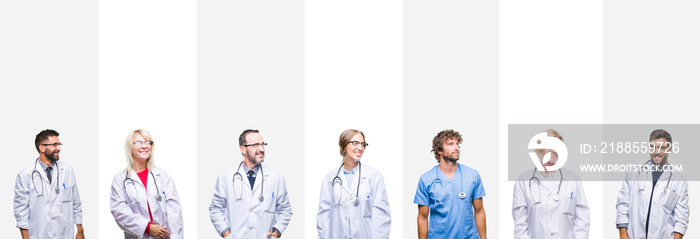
x: 44, y: 166
x: 255, y: 169
x: 352, y: 171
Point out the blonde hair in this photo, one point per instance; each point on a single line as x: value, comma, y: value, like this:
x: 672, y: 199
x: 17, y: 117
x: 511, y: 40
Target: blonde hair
x: 345, y: 138
x: 129, y: 148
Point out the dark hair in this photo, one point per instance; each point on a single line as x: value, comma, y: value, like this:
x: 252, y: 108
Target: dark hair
x: 660, y: 133
x: 241, y: 139
x: 441, y: 138
x: 43, y: 136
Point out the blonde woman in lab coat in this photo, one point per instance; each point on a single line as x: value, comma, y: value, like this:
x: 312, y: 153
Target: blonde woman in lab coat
x: 143, y: 199
x: 550, y: 204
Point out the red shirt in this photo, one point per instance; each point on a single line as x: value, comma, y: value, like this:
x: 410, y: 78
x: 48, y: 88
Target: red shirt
x: 143, y: 175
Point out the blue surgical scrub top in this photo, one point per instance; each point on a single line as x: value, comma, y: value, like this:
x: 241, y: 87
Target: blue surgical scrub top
x: 453, y: 217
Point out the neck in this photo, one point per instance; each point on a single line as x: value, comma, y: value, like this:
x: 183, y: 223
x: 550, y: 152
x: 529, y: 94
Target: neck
x: 448, y: 166
x: 350, y: 164
x: 45, y: 160
x: 138, y: 167
x: 248, y: 164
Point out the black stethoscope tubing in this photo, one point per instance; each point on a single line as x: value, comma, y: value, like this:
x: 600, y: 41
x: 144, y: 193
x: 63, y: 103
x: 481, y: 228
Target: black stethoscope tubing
x: 556, y: 197
x: 126, y: 175
x: 262, y: 184
x: 356, y: 201
x: 42, y: 185
x: 647, y: 176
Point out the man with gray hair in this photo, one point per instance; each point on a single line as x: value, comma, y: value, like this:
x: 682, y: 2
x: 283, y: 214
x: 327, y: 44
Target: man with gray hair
x: 250, y: 200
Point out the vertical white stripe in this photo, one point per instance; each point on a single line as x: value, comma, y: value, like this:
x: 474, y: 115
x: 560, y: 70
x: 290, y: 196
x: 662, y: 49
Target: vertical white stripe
x: 550, y: 72
x: 354, y: 80
x: 147, y: 79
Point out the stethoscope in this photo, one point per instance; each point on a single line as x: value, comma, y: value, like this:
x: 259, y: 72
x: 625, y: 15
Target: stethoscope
x: 647, y: 177
x: 133, y: 184
x: 337, y: 179
x: 42, y: 184
x: 437, y: 180
x: 539, y: 199
x: 240, y: 177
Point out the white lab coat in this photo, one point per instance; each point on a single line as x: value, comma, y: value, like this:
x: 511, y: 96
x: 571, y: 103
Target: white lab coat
x: 370, y: 219
x: 669, y: 209
x: 133, y: 218
x: 248, y: 217
x: 51, y: 215
x: 567, y: 218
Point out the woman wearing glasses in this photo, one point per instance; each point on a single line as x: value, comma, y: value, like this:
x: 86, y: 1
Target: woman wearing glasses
x: 144, y: 200
x: 549, y: 203
x: 353, y: 202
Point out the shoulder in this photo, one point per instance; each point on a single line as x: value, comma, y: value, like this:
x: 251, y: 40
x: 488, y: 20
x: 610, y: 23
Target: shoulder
x: 469, y: 171
x: 160, y: 171
x: 64, y: 166
x: 677, y: 176
x: 120, y: 175
x: 27, y: 170
x: 369, y: 170
x: 428, y: 176
x: 331, y: 174
x: 525, y: 176
x: 569, y: 175
x: 228, y: 172
x: 273, y: 174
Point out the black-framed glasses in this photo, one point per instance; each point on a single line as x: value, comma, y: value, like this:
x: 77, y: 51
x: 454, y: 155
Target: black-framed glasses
x: 357, y: 144
x: 255, y: 145
x: 54, y: 144
x: 139, y: 143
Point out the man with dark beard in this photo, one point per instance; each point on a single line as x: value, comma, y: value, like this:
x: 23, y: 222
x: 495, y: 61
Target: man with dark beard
x: 653, y: 203
x: 47, y: 202
x: 250, y: 200
x: 449, y: 196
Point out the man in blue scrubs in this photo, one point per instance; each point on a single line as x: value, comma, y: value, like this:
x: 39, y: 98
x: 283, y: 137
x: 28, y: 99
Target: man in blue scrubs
x: 449, y: 196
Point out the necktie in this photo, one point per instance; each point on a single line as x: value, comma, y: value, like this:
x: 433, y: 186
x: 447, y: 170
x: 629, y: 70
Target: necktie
x: 48, y: 173
x: 251, y: 178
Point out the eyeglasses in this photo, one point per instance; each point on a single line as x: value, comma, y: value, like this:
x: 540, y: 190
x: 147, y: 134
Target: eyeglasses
x: 139, y: 143
x: 255, y: 145
x: 357, y: 144
x: 54, y: 144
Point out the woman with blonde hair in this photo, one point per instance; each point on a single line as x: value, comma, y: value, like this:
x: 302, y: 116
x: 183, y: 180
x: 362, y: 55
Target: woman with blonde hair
x: 143, y: 199
x: 550, y: 204
x: 353, y: 204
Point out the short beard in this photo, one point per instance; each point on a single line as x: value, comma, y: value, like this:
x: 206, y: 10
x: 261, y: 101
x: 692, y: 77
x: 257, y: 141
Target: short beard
x: 453, y: 160
x: 50, y: 157
x: 254, y: 159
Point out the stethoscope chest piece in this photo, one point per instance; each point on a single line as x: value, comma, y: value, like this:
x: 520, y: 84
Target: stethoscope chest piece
x: 462, y: 195
x: 356, y: 201
x: 556, y: 198
x: 261, y: 198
